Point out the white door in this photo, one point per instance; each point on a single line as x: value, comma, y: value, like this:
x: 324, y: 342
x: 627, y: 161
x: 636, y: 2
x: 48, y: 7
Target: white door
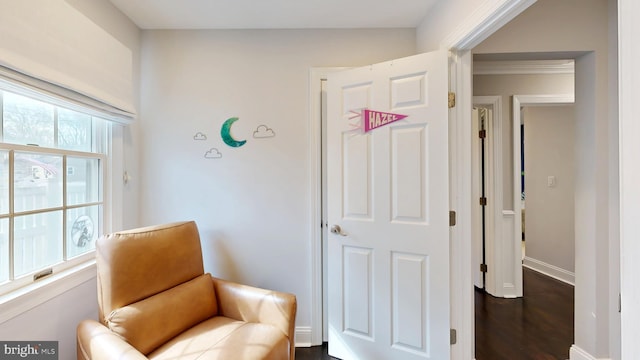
x: 388, y: 257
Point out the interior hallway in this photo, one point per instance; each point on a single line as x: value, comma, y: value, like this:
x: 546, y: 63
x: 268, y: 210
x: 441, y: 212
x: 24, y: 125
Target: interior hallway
x: 538, y: 326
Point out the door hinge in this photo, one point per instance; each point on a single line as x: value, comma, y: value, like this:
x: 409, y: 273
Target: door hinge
x: 619, y: 302
x: 452, y: 218
x: 452, y: 100
x: 483, y: 201
x: 482, y: 134
x: 483, y: 268
x: 453, y: 336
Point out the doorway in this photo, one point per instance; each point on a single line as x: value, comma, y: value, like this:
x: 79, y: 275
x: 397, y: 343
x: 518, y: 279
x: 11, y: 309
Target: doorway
x: 498, y: 212
x: 541, y: 126
x: 547, y: 129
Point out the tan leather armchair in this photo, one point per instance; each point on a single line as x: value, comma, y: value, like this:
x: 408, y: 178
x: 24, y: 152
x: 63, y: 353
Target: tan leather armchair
x: 156, y: 302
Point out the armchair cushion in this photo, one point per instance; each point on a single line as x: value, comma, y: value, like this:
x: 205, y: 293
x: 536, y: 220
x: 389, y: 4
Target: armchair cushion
x: 224, y: 338
x: 151, y: 322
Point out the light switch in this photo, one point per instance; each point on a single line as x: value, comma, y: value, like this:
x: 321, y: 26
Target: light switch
x: 551, y: 181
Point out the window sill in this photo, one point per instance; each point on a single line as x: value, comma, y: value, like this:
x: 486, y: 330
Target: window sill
x: 28, y: 297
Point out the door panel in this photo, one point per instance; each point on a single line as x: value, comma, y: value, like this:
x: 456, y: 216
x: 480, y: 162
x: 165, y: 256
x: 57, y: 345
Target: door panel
x: 357, y: 177
x: 410, y: 293
x: 388, y: 263
x: 408, y: 183
x: 358, y: 294
x: 408, y: 90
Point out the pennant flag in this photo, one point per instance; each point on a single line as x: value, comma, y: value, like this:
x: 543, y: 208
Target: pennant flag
x: 374, y: 119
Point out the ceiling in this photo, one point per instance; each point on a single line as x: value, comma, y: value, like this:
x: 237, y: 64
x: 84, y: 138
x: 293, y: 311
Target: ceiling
x: 274, y: 14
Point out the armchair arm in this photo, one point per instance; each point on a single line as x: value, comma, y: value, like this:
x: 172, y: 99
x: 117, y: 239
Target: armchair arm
x: 96, y: 342
x: 251, y: 304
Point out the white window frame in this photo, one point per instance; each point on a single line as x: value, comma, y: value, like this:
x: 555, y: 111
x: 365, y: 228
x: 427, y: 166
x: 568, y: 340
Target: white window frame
x: 24, y: 298
x: 30, y: 277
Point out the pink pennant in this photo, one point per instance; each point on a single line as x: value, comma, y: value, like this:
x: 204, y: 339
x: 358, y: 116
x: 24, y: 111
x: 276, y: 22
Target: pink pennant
x: 374, y: 119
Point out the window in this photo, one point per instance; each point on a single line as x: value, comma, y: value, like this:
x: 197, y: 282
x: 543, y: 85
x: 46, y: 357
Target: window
x: 53, y: 164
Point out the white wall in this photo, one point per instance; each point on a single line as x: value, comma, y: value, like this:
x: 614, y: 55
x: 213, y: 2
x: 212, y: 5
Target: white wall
x: 549, y: 151
x: 252, y: 205
x: 462, y: 24
x: 441, y: 21
x: 57, y: 318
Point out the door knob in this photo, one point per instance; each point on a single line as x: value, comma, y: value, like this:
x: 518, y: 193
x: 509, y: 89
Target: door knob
x: 336, y: 229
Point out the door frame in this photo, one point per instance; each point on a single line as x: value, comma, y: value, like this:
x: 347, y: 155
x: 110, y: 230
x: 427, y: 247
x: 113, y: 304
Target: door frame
x: 473, y: 30
x: 493, y: 187
x: 629, y: 171
x: 518, y: 102
x: 317, y: 334
x: 471, y: 33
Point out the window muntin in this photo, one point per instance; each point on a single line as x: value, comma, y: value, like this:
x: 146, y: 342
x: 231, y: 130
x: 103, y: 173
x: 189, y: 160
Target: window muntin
x: 52, y: 175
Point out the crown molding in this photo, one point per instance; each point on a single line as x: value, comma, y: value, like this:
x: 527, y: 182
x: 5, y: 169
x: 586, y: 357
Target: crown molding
x: 534, y: 67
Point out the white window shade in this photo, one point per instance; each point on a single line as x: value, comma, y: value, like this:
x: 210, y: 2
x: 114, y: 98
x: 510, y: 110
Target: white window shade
x: 51, y: 41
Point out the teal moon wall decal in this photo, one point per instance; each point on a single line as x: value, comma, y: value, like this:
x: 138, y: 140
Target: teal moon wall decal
x: 225, y: 133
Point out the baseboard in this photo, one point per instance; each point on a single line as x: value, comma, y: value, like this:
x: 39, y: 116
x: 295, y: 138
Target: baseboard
x: 550, y: 270
x: 576, y: 353
x: 303, y: 336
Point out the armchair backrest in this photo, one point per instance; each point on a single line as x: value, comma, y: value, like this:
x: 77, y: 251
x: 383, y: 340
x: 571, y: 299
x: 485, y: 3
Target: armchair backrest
x: 134, y: 265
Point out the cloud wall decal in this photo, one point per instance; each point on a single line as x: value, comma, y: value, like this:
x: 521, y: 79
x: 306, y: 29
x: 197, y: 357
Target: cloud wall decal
x: 213, y: 153
x: 263, y: 131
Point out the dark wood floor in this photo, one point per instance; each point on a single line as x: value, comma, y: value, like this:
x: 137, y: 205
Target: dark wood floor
x: 313, y: 353
x: 538, y: 326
